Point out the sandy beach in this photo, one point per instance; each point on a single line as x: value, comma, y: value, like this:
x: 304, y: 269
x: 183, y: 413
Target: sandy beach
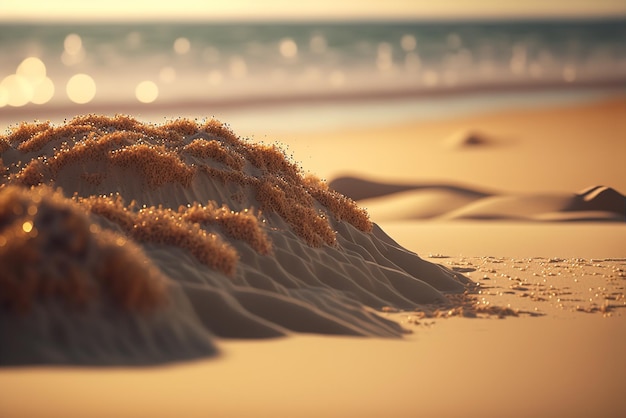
x: 495, y: 290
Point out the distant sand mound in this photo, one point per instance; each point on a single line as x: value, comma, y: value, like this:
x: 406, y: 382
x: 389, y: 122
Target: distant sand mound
x: 600, y: 198
x: 469, y: 138
x: 162, y: 237
x: 397, y: 201
x: 358, y: 188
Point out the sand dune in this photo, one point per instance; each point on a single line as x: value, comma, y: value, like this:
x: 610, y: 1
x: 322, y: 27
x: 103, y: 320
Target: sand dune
x: 159, y: 238
x: 402, y: 201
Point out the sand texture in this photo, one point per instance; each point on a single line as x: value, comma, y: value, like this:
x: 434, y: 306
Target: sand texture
x: 179, y: 233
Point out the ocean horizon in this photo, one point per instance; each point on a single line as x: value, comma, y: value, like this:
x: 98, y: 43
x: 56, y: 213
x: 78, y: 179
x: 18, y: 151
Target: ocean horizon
x: 52, y: 70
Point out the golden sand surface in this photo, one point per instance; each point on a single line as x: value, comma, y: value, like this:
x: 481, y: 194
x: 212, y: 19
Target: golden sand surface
x: 564, y: 360
x: 537, y: 332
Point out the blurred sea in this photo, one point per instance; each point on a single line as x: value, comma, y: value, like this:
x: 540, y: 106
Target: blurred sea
x: 110, y: 67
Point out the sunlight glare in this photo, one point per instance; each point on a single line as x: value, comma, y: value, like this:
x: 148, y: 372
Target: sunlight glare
x: 18, y: 90
x: 73, y: 51
x: 81, y: 88
x: 288, y: 48
x: 182, y: 46
x: 146, y: 91
x: 32, y: 69
x: 73, y: 44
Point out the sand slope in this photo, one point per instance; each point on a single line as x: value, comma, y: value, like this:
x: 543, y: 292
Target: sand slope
x: 401, y: 201
x: 232, y: 240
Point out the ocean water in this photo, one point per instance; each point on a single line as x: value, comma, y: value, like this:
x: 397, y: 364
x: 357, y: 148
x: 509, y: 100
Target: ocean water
x: 167, y: 65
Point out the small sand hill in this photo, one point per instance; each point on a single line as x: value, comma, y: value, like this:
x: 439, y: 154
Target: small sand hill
x: 396, y: 201
x: 469, y: 139
x: 124, y: 243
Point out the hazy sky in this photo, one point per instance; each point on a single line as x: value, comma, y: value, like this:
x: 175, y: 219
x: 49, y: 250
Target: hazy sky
x: 294, y: 9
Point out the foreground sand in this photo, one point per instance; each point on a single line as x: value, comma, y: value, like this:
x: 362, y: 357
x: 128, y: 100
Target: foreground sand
x: 566, y: 362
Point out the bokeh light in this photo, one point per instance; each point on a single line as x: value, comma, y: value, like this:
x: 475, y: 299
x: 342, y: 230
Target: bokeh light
x: 182, y: 46
x: 43, y: 91
x: 28, y: 84
x: 288, y: 48
x: 81, y: 88
x: 73, y: 44
x: 18, y: 90
x: 73, y: 51
x: 33, y: 69
x: 146, y: 91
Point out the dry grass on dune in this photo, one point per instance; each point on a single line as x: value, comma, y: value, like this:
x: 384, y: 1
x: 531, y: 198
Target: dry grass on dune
x: 244, y: 225
x: 49, y: 249
x: 164, y: 226
x: 175, y: 153
x: 277, y: 184
x: 214, y: 150
x: 156, y: 164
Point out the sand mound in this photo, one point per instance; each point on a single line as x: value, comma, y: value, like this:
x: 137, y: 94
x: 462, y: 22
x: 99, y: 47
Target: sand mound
x: 469, y: 139
x: 401, y: 201
x: 599, y: 198
x: 161, y: 237
x: 359, y: 188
